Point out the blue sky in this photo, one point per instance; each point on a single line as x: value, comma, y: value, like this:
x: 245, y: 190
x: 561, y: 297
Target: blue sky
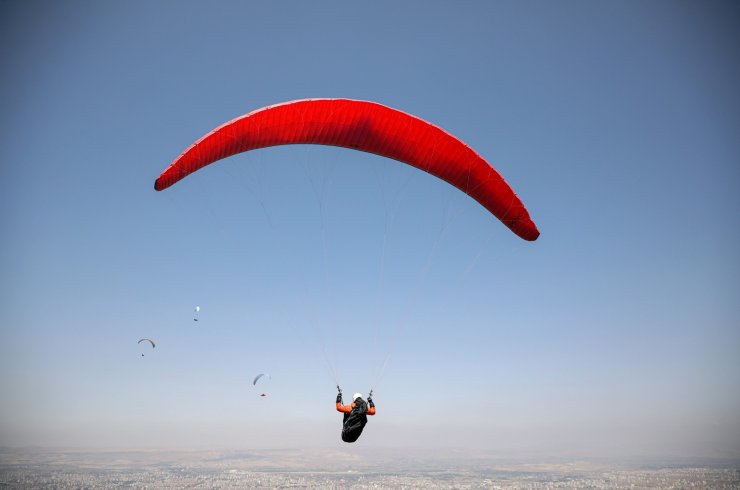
x: 615, y: 333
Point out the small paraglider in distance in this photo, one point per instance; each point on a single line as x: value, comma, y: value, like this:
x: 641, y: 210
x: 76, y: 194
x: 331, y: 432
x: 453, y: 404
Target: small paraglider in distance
x: 146, y: 340
x: 195, y: 316
x: 259, y: 377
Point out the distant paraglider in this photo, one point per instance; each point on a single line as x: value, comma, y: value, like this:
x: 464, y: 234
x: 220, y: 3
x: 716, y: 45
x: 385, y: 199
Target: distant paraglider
x: 146, y: 340
x: 262, y: 384
x: 195, y: 315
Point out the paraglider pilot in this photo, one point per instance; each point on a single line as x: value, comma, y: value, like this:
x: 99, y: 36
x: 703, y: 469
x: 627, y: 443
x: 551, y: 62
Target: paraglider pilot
x: 355, y: 415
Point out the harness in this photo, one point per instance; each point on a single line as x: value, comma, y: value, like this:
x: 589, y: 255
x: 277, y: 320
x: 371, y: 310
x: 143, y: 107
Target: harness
x: 354, y: 421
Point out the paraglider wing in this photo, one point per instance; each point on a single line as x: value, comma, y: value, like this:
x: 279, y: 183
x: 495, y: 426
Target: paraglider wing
x: 365, y: 126
x: 147, y: 340
x: 260, y: 376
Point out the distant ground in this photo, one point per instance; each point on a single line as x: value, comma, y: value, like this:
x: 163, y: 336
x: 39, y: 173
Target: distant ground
x: 346, y: 468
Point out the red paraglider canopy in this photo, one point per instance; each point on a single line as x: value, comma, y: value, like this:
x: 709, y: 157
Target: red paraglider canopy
x: 365, y: 126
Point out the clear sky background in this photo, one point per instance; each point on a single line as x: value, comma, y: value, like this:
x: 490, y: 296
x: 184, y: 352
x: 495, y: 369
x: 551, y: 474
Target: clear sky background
x: 615, y: 334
